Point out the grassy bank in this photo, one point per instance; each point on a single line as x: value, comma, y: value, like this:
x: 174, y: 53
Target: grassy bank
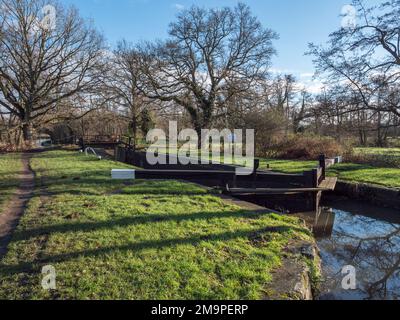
x: 10, y: 168
x: 148, y: 240
x: 379, y: 157
x: 388, y: 177
x: 392, y: 152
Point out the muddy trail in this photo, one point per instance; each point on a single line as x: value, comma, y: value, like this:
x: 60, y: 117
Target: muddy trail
x: 16, y: 206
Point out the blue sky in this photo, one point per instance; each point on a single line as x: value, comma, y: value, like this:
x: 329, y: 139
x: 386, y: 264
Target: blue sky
x: 298, y: 22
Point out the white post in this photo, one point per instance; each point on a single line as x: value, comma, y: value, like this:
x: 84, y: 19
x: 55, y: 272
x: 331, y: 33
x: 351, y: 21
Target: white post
x: 123, y: 174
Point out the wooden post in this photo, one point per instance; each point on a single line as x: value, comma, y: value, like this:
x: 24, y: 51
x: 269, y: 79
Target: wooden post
x: 256, y: 165
x: 130, y: 142
x: 315, y: 196
x: 322, y: 164
x: 82, y: 143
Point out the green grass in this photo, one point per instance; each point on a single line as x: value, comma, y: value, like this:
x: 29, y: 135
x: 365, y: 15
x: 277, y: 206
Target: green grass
x: 382, y: 157
x: 148, y: 240
x: 10, y: 167
x: 288, y: 166
x: 388, y: 177
x: 379, y: 151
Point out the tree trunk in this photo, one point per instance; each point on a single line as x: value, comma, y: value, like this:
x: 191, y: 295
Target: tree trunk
x: 134, y: 128
x: 27, y: 132
x: 198, y: 128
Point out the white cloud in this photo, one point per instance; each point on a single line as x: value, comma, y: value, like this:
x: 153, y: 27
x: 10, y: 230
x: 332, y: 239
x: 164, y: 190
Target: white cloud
x: 315, y: 88
x: 311, y: 86
x: 178, y: 6
x: 305, y: 80
x: 306, y: 75
x: 281, y: 71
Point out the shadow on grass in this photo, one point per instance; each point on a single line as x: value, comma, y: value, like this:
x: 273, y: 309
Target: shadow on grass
x: 4, y: 187
x: 64, y: 155
x: 75, y: 184
x: 350, y: 167
x: 8, y: 270
x: 131, y: 221
x: 14, y: 173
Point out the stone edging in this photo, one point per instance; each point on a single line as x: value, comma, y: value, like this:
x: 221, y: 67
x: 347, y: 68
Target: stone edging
x: 293, y: 281
x: 377, y: 195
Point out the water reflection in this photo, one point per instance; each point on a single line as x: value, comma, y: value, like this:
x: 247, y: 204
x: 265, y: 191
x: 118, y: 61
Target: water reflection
x: 321, y: 222
x: 364, y: 236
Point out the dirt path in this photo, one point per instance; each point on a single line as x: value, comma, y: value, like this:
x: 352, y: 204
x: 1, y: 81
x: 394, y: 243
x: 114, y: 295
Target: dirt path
x: 15, y: 208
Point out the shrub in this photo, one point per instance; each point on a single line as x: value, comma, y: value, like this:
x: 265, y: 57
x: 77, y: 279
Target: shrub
x: 309, y: 148
x: 11, y: 147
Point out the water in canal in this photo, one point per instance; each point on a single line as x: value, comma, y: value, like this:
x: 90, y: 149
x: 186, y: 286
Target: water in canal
x: 365, y: 237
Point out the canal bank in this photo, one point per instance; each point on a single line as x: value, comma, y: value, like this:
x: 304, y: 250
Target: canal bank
x: 300, y: 273
x: 373, y: 194
x: 353, y: 232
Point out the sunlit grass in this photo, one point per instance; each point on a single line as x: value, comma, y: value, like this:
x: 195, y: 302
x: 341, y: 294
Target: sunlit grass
x: 388, y: 177
x: 148, y: 240
x: 379, y: 151
x: 10, y: 169
x: 287, y: 166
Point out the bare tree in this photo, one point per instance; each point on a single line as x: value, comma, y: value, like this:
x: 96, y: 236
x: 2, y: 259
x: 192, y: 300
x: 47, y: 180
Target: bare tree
x: 211, y: 56
x: 366, y: 57
x: 122, y: 85
x: 44, y: 59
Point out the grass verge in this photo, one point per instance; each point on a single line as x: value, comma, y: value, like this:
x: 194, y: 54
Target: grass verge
x: 10, y: 168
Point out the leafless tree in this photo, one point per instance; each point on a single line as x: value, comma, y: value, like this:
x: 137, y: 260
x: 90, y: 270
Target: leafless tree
x: 43, y: 62
x: 366, y: 57
x: 122, y: 86
x: 210, y: 56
